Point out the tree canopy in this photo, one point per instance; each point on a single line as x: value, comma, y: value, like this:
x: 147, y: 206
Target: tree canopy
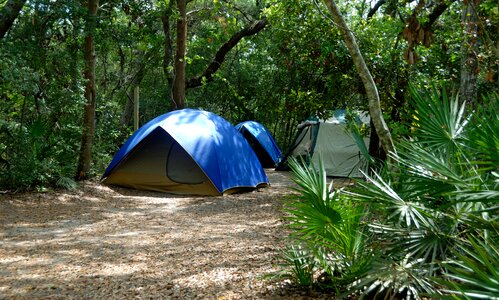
x: 276, y: 62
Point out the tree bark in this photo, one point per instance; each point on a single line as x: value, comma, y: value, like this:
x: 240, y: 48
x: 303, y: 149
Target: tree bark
x: 374, y: 147
x: 437, y: 11
x: 8, y: 15
x: 364, y: 73
x: 168, y: 45
x: 87, y: 141
x: 179, y: 80
x: 139, y: 64
x: 375, y: 8
x: 469, y: 61
x: 213, y: 67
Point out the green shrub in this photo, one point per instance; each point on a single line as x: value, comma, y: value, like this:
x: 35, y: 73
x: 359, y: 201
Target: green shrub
x: 426, y: 227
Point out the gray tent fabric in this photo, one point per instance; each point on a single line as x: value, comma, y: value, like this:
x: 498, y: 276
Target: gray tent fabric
x: 330, y: 140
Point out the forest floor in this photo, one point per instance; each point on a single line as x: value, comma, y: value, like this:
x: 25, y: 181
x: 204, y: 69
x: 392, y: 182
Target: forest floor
x: 100, y: 242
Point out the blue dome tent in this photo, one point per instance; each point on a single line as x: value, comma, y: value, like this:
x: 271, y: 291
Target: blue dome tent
x: 187, y: 152
x: 262, y: 142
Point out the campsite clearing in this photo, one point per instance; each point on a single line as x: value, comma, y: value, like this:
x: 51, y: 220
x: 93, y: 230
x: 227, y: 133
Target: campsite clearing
x: 99, y: 242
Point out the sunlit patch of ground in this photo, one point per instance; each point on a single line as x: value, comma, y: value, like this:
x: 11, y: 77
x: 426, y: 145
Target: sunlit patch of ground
x: 113, y: 243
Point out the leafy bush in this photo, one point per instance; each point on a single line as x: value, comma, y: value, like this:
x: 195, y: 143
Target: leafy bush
x: 298, y: 265
x: 433, y: 216
x: 331, y: 230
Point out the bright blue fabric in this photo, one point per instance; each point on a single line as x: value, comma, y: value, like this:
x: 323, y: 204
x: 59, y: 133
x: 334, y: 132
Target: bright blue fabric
x: 216, y: 146
x: 264, y: 137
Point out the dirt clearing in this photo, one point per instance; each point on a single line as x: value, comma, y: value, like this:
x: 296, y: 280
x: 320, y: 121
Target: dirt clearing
x: 100, y: 242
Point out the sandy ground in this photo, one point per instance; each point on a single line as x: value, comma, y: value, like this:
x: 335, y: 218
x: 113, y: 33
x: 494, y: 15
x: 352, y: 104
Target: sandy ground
x: 101, y: 242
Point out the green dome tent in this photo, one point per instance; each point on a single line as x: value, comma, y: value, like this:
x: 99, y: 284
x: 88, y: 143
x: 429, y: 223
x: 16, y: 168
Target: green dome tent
x: 330, y: 140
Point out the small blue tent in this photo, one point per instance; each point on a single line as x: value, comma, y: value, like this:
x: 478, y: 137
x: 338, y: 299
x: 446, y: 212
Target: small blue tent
x: 262, y: 142
x: 188, y: 152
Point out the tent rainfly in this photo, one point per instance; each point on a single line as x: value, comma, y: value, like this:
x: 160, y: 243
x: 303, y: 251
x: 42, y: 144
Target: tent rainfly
x: 262, y: 143
x: 187, y: 152
x: 330, y: 140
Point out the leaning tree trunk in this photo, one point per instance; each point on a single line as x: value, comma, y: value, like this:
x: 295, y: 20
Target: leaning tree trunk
x: 87, y: 139
x: 364, y: 73
x: 179, y: 81
x: 469, y: 61
x: 8, y: 15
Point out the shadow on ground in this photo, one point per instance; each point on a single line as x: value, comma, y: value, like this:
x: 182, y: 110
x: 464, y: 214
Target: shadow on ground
x: 101, y: 242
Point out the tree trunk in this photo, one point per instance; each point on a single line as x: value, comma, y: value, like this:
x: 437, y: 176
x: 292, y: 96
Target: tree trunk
x: 87, y: 140
x: 168, y: 48
x: 136, y: 108
x: 126, y: 116
x: 168, y: 45
x: 8, y: 15
x: 364, y: 73
x: 139, y: 66
x: 179, y: 81
x: 469, y: 61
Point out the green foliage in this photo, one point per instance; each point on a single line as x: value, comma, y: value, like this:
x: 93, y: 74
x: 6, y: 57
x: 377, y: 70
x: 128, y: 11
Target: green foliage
x: 298, y: 265
x: 440, y: 121
x: 434, y: 216
x: 425, y: 213
x: 482, y: 139
x: 39, y: 131
x: 66, y: 183
x: 315, y: 215
x: 473, y: 273
x: 296, y: 67
x: 394, y: 279
x: 331, y: 228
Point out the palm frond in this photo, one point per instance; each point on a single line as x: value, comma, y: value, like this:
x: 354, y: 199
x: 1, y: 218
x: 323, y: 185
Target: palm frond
x: 379, y: 191
x: 391, y: 279
x: 439, y: 121
x: 298, y: 265
x: 474, y: 273
x: 315, y: 214
x: 332, y: 226
x: 429, y: 246
x: 429, y: 171
x: 482, y: 139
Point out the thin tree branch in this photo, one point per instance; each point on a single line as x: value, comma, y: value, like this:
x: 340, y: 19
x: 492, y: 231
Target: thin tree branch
x: 437, y: 11
x: 375, y: 8
x: 213, y: 67
x: 367, y: 79
x: 241, y: 11
x: 196, y: 11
